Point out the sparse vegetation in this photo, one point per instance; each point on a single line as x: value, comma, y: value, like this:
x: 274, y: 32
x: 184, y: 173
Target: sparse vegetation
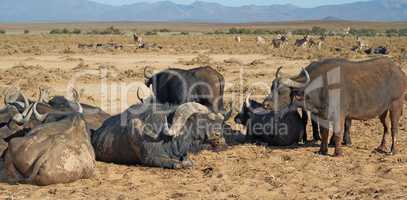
x: 364, y: 32
x: 108, y: 31
x: 150, y: 33
x: 65, y: 31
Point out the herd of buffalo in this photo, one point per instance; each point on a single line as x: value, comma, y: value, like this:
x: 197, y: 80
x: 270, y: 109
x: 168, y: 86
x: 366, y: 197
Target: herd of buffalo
x: 58, y: 140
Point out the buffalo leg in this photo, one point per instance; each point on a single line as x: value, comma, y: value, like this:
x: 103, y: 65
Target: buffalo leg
x: 315, y: 128
x: 324, y: 141
x: 346, y: 137
x: 395, y: 114
x: 382, y: 148
x: 305, y: 122
x: 338, y: 136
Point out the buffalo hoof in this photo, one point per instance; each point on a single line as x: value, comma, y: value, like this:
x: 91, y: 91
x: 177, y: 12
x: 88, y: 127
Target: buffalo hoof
x: 381, y: 149
x: 338, y: 153
x: 322, y: 152
x: 393, y: 152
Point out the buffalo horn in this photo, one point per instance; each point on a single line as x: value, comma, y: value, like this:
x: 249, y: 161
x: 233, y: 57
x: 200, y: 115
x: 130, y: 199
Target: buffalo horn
x: 38, y: 116
x: 294, y: 84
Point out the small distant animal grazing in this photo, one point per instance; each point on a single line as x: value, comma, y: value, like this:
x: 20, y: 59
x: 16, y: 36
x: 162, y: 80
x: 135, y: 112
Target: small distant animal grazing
x: 317, y: 42
x: 361, y: 44
x: 238, y: 39
x: 260, y: 40
x: 280, y: 42
x: 138, y: 40
x: 302, y: 42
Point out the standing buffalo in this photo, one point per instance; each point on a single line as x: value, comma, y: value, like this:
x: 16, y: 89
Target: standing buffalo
x: 276, y: 129
x: 337, y: 89
x: 203, y: 85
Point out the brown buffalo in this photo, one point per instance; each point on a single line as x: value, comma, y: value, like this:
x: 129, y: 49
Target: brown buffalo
x: 337, y: 89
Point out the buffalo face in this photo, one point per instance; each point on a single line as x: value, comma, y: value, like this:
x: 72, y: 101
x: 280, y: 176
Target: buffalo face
x: 287, y: 92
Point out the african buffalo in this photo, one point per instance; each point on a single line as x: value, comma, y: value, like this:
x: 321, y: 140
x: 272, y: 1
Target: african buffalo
x: 338, y: 89
x: 94, y: 116
x: 276, y: 129
x: 55, y: 152
x: 203, y: 85
x: 142, y: 134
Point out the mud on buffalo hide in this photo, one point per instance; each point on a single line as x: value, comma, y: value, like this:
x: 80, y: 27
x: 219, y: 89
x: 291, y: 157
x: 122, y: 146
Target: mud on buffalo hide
x: 55, y: 152
x: 139, y: 138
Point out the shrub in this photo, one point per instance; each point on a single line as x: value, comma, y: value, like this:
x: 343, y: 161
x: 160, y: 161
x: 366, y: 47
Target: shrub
x: 184, y: 33
x: 108, y: 31
x: 164, y: 30
x: 150, y: 33
x: 26, y: 31
x: 363, y: 32
x: 76, y: 31
x: 276, y: 32
x: 316, y: 30
x: 403, y: 32
x: 55, y: 31
x: 65, y: 31
x: 302, y: 32
x: 2, y: 31
x: 239, y: 31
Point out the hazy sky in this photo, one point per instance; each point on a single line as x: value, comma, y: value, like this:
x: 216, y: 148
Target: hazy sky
x: 302, y: 3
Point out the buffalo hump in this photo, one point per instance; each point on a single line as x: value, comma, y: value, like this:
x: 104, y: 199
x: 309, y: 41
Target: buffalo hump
x: 56, y: 152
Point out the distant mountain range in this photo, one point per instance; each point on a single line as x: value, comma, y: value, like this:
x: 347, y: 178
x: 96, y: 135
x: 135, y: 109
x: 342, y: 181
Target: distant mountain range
x: 85, y: 10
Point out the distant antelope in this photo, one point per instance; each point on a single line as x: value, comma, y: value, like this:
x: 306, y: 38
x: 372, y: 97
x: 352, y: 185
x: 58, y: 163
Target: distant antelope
x: 260, y: 40
x: 238, y: 39
x: 280, y: 41
x: 346, y: 31
x: 317, y: 42
x: 360, y: 44
x: 302, y: 42
x: 139, y: 40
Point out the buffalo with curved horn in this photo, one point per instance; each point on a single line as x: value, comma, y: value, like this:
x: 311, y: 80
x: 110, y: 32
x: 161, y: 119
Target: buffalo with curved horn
x: 342, y: 90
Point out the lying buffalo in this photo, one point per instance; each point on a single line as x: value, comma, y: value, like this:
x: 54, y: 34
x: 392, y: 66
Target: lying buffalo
x: 16, y: 122
x: 13, y: 116
x: 93, y: 116
x: 264, y: 126
x: 142, y: 134
x: 55, y: 152
x: 203, y: 85
x: 337, y: 89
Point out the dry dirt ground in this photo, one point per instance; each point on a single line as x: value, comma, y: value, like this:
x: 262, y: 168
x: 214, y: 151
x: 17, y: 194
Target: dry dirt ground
x: 242, y: 171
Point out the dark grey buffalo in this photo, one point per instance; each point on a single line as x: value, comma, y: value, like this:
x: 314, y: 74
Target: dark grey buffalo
x: 337, y: 89
x: 276, y: 129
x: 16, y: 112
x: 58, y: 151
x: 93, y: 115
x: 155, y: 135
x: 203, y: 85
